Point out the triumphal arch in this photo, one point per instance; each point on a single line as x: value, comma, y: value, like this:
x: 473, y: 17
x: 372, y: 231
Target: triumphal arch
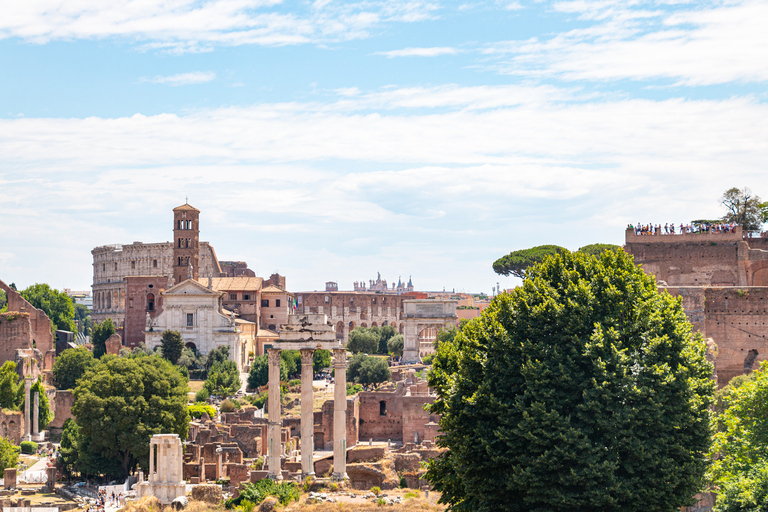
x: 424, y: 314
x: 308, y: 333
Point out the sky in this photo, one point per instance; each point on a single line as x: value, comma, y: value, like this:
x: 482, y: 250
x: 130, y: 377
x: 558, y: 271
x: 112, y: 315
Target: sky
x: 332, y: 140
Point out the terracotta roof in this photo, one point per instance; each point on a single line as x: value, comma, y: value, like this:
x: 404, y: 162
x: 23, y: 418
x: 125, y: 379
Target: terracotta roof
x: 225, y: 284
x: 186, y: 207
x: 274, y: 289
x: 267, y: 333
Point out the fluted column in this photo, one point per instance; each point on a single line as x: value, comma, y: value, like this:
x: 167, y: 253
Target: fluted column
x: 36, y: 416
x: 275, y: 473
x: 27, y: 419
x: 340, y: 415
x: 307, y: 413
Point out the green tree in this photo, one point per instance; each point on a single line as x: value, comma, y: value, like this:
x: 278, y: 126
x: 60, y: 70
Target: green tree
x: 362, y: 340
x: 581, y: 390
x: 68, y: 453
x: 9, y: 454
x: 57, y: 305
x: 373, y: 370
x: 740, y: 466
x: 516, y: 262
x: 119, y: 405
x: 292, y: 360
x: 385, y: 334
x: 597, y: 249
x: 100, y: 335
x: 744, y: 208
x: 217, y: 355
x: 70, y: 366
x: 3, y: 301
x: 223, y: 379
x: 83, y: 316
x: 9, y: 386
x: 395, y: 345
x: 172, y: 345
x: 259, y: 374
x: 321, y: 359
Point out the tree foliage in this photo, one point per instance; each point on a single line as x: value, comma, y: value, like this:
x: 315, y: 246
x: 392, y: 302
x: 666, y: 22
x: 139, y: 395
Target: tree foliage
x: 9, y: 454
x: 9, y: 386
x: 581, y: 390
x: 45, y: 414
x: 172, y: 345
x: 217, y: 355
x: 368, y: 370
x: 120, y: 404
x: 83, y: 315
x: 259, y: 374
x: 68, y: 452
x: 57, y: 305
x: 744, y: 208
x: 223, y: 379
x: 597, y: 249
x: 321, y: 359
x: 363, y: 340
x: 740, y: 466
x: 395, y: 345
x: 516, y: 262
x: 70, y: 366
x: 99, y: 336
x: 3, y: 301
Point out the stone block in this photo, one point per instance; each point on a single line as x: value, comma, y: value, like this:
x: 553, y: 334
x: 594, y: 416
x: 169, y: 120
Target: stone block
x: 9, y: 478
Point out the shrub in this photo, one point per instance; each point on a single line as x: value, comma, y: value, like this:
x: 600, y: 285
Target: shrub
x: 9, y: 454
x: 28, y: 447
x: 229, y: 406
x: 202, y: 395
x: 403, y: 482
x: 197, y: 410
x: 353, y: 389
x: 376, y: 490
x: 285, y: 492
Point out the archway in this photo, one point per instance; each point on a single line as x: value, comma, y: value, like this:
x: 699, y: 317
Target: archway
x: 339, y: 330
x: 191, y: 345
x: 150, y: 302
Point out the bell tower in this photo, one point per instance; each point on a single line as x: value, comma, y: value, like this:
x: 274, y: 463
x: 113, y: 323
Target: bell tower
x: 186, y: 240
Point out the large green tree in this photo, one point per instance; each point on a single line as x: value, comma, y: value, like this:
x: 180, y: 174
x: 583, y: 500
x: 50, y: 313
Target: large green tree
x: 517, y: 262
x: 321, y: 359
x: 172, y: 344
x: 258, y: 376
x: 368, y: 370
x: 9, y: 454
x: 70, y: 366
x: 363, y: 340
x: 740, y: 465
x: 57, y: 305
x: 584, y: 389
x: 9, y: 386
x: 99, y: 336
x: 223, y: 379
x: 395, y: 345
x: 744, y: 208
x: 120, y: 404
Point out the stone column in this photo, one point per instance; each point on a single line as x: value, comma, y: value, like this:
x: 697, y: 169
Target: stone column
x: 307, y: 413
x: 27, y: 419
x: 151, y: 475
x: 340, y: 414
x: 36, y: 416
x: 275, y: 469
x: 218, y: 463
x: 202, y: 470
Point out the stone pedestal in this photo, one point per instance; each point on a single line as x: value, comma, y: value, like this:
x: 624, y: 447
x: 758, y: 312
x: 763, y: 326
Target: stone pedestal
x: 165, y: 478
x: 9, y: 476
x: 274, y: 448
x: 340, y: 415
x: 307, y: 413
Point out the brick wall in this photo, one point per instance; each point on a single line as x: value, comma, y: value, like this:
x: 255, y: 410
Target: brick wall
x: 138, y: 291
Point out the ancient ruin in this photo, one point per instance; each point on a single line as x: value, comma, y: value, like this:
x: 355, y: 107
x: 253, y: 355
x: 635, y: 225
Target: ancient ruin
x: 165, y: 479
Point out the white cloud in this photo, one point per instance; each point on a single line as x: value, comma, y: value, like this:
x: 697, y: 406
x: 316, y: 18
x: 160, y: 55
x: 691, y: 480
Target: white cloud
x: 195, y: 77
x: 716, y: 43
x: 192, y: 25
x: 420, y: 52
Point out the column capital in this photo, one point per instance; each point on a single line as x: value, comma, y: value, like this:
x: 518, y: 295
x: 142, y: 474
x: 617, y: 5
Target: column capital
x: 307, y: 356
x: 273, y: 355
x: 339, y: 358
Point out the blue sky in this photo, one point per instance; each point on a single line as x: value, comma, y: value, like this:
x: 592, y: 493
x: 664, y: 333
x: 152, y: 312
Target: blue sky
x: 330, y: 140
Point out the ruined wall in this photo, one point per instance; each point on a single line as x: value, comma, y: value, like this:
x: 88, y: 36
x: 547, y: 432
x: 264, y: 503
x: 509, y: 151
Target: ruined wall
x: 691, y: 264
x: 142, y: 297
x: 12, y: 425
x: 415, y: 419
x: 324, y: 429
x: 377, y: 426
x: 40, y: 324
x: 15, y: 333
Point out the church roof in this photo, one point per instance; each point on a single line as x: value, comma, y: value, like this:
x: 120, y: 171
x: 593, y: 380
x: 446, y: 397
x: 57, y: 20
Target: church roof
x: 186, y: 206
x: 225, y: 284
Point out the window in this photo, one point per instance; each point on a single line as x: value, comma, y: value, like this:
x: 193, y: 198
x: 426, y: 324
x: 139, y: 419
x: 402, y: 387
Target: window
x: 300, y: 299
x: 190, y: 319
x: 271, y: 327
x: 265, y: 303
x: 115, y: 265
x: 382, y: 408
x: 151, y: 302
x: 232, y: 296
x: 133, y: 264
x: 277, y: 303
x: 103, y: 266
x: 154, y: 263
x: 246, y: 297
x: 326, y: 298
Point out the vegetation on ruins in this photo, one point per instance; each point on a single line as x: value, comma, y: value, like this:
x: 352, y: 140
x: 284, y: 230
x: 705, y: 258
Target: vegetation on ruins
x: 172, y: 345
x: 120, y: 404
x: 744, y: 208
x: 44, y: 412
x: 197, y: 410
x: 259, y: 374
x: 99, y: 336
x: 368, y: 370
x: 57, y: 305
x: 70, y: 365
x: 583, y: 389
x: 395, y: 345
x: 740, y: 466
x: 9, y: 454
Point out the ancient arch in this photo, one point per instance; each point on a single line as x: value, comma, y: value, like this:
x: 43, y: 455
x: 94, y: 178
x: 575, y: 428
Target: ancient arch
x: 373, y: 324
x: 423, y: 318
x: 191, y: 345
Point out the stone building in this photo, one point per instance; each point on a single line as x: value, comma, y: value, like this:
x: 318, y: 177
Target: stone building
x: 197, y: 312
x: 722, y: 280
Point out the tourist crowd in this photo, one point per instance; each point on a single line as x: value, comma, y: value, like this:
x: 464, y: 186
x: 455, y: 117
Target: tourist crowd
x: 669, y: 229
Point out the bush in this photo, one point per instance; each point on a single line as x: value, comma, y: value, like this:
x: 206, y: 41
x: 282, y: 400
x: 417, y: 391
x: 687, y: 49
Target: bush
x: 403, y: 482
x: 9, y: 454
x: 285, y: 492
x: 353, y: 389
x: 28, y: 447
x: 259, y: 400
x: 229, y: 406
x: 197, y: 410
x: 202, y: 395
x: 376, y: 490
